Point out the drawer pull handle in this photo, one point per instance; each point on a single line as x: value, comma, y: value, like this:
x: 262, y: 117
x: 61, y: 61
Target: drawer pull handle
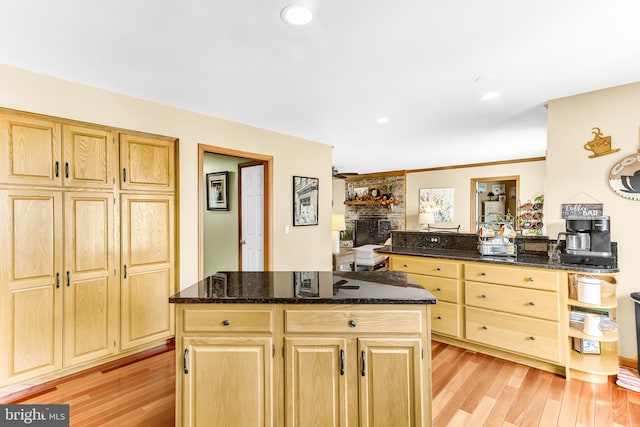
x: 438, y: 289
x: 226, y: 322
x: 531, y: 279
x: 532, y: 338
x: 483, y: 296
x: 341, y: 362
x: 184, y: 361
x: 484, y: 327
x: 532, y: 303
x: 483, y: 274
x: 439, y: 317
x: 57, y: 279
x: 352, y: 323
x: 364, y: 364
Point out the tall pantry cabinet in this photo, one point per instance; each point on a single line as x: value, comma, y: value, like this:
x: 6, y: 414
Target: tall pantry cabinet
x: 65, y: 301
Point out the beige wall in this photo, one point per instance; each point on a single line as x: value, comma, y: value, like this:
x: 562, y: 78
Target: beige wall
x: 532, y: 181
x: 573, y: 177
x: 27, y: 91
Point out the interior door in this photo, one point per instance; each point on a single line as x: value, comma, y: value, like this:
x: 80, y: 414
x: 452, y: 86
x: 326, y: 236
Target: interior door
x: 252, y: 216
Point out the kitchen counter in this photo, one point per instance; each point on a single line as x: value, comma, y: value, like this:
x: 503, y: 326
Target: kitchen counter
x: 288, y: 287
x: 540, y: 260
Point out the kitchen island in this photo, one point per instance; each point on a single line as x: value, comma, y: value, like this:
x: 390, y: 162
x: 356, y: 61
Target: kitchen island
x: 303, y: 348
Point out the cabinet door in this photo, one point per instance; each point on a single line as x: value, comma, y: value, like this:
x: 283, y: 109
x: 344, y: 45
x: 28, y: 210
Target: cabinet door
x: 91, y: 303
x: 316, y: 371
x: 30, y: 151
x: 90, y: 157
x: 30, y: 293
x: 147, y: 164
x: 148, y: 271
x: 227, y: 381
x: 391, y: 387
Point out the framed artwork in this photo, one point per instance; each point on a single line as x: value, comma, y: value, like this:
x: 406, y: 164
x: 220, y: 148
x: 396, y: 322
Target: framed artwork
x: 306, y: 284
x: 218, y: 191
x: 438, y: 201
x: 305, y: 201
x: 361, y: 191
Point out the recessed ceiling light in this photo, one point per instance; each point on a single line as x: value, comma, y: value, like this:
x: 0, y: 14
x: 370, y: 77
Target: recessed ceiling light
x: 296, y: 15
x: 490, y: 95
x: 382, y: 120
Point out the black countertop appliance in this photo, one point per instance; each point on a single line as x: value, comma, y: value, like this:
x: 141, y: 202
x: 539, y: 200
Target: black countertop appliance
x: 587, y: 241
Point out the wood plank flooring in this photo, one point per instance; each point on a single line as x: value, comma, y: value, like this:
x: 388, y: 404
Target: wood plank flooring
x: 469, y: 389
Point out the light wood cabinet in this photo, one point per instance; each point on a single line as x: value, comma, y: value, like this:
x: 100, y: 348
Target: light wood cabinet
x: 148, y: 277
x: 443, y: 279
x: 224, y: 365
x: 227, y: 381
x: 90, y: 157
x: 359, y: 356
x: 91, y: 291
x: 82, y: 279
x: 514, y: 309
x: 147, y: 164
x: 345, y: 365
x: 30, y: 284
x: 31, y: 151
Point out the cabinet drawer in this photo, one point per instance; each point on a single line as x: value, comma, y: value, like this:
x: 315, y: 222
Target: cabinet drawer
x: 356, y: 321
x: 430, y: 266
x: 532, y: 337
x: 514, y: 276
x: 528, y: 302
x: 445, y: 319
x: 441, y: 287
x: 228, y: 320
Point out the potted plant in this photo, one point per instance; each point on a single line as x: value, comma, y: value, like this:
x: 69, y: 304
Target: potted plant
x: 346, y: 238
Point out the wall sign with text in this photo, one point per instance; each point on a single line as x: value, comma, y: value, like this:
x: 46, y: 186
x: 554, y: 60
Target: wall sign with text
x: 581, y: 209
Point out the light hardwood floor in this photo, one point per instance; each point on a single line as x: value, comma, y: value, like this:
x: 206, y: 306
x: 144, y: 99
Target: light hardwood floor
x: 469, y: 389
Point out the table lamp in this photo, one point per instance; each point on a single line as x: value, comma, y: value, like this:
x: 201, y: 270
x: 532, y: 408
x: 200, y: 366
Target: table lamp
x: 337, y: 225
x: 426, y: 218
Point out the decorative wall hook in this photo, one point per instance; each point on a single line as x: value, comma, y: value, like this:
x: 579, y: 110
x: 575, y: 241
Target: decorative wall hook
x: 600, y: 145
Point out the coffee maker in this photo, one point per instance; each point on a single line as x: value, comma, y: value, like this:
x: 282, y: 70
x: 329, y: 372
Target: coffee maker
x: 587, y: 241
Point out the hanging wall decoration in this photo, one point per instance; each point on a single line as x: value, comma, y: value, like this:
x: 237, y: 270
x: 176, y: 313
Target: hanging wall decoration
x: 438, y: 201
x: 624, y: 177
x: 600, y: 145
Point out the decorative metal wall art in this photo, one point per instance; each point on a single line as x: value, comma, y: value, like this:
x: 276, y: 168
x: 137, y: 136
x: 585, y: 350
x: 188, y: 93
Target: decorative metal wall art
x: 599, y: 145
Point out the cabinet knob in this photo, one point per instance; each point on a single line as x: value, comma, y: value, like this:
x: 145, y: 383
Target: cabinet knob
x: 437, y: 268
x: 483, y: 296
x: 483, y: 274
x: 532, y: 303
x: 226, y: 322
x: 406, y: 266
x: 438, y: 289
x: 484, y: 327
x: 439, y: 317
x: 352, y: 323
x: 532, y: 338
x: 531, y: 279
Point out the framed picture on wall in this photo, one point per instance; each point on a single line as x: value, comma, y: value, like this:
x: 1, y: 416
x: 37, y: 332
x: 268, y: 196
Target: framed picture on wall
x: 218, y: 191
x: 305, y: 200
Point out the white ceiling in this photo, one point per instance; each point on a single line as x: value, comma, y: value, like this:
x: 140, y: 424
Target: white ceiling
x: 413, y: 61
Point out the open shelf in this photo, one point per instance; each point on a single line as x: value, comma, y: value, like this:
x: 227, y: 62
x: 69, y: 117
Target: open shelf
x: 370, y: 202
x: 605, y: 302
x: 605, y: 363
x: 607, y: 336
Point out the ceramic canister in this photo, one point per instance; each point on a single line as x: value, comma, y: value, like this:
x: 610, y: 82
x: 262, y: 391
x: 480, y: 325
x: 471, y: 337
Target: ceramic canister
x: 589, y: 290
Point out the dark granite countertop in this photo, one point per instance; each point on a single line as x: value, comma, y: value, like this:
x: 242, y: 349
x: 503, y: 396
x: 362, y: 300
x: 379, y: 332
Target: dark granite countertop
x: 303, y: 287
x: 524, y: 260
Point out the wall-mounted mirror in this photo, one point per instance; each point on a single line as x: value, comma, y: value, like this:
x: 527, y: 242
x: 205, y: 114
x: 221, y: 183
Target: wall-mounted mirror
x: 493, y: 199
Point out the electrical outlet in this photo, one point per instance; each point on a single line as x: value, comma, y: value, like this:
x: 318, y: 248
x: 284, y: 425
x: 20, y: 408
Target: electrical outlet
x: 434, y: 239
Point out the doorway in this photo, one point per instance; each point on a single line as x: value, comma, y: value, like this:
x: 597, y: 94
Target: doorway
x: 219, y: 231
x: 493, y: 198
